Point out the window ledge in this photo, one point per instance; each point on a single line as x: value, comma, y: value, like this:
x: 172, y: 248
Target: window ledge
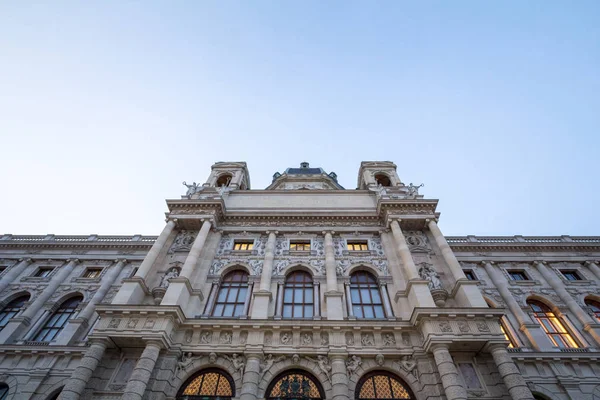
x: 357, y: 253
x: 299, y: 252
x: 579, y: 282
x: 36, y: 279
x: 523, y: 283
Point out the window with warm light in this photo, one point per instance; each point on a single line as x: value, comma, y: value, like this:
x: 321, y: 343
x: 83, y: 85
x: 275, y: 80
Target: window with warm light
x: 503, y: 329
x: 208, y: 384
x: 378, y: 385
x: 298, y: 295
x: 243, y: 245
x: 594, y: 307
x: 358, y: 246
x: 299, y: 246
x: 552, y: 325
x: 92, y: 273
x: 295, y: 384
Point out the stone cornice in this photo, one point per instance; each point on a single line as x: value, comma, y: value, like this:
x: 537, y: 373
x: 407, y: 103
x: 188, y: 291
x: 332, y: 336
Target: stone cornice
x: 136, y: 242
x: 469, y: 244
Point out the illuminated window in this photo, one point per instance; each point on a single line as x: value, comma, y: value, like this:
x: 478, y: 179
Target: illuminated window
x: 470, y: 275
x: 208, y: 384
x: 381, y: 385
x: 232, y: 295
x: 552, y: 325
x: 55, y: 324
x: 517, y: 275
x: 243, y: 245
x: 365, y: 296
x: 571, y: 275
x: 358, y: 246
x: 11, y: 310
x: 300, y: 246
x: 92, y: 273
x: 595, y: 307
x: 297, y: 385
x: 510, y: 342
x: 298, y: 295
x: 43, y: 272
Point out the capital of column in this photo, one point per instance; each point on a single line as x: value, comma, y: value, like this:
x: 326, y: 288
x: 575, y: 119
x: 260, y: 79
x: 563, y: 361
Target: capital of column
x: 484, y: 262
x: 497, y: 347
x: 328, y: 232
x: 73, y: 260
x: 155, y: 343
x: 104, y: 342
x: 439, y: 346
x: 123, y: 260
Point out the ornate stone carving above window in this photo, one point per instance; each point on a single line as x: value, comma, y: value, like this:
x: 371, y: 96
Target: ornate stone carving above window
x: 183, y: 241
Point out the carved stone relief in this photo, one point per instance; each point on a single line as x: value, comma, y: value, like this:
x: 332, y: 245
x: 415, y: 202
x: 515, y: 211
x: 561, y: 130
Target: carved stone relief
x: 183, y: 241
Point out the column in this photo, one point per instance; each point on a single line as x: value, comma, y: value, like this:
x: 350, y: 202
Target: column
x: 511, y: 376
x: 593, y: 266
x: 279, y: 302
x: 14, y: 272
x: 133, y: 292
x: 316, y: 301
x: 417, y: 288
x: 251, y: 377
x: 386, y: 301
x: 136, y: 386
x: 262, y: 298
x: 77, y: 325
x: 533, y: 331
x: 554, y: 281
x: 210, y: 303
x: 339, y: 377
x: 333, y: 298
x: 179, y: 291
x: 468, y: 294
x: 453, y: 387
x: 349, y: 301
x: 82, y: 374
x: 17, y: 324
x: 203, y: 272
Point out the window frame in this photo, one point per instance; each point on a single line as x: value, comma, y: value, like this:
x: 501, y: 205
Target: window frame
x: 305, y: 286
x: 39, y: 272
x: 594, y: 307
x: 370, y: 285
x: 470, y: 272
x: 310, y: 377
x: 4, y: 389
x: 248, y: 244
x: 350, y: 244
x: 229, y: 283
x: 371, y: 376
x: 12, y: 308
x: 89, y: 269
x: 305, y: 244
x: 573, y: 272
x: 57, y: 321
x: 222, y: 374
x: 518, y: 272
x: 546, y: 318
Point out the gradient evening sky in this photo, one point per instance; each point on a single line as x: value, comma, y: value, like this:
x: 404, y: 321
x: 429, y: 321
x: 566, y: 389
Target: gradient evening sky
x: 107, y: 106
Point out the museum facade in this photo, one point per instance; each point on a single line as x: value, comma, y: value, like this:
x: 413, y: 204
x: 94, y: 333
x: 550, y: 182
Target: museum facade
x: 303, y: 290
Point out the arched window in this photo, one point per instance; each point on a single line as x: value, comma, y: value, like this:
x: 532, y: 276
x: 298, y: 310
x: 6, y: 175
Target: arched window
x: 298, y: 295
x: 365, y: 296
x: 552, y: 325
x: 208, y: 384
x: 503, y: 327
x: 383, y: 180
x: 595, y: 307
x: 381, y: 385
x: 58, y: 320
x: 232, y: 295
x: 3, y: 391
x: 11, y: 310
x: 295, y: 385
x: 224, y: 180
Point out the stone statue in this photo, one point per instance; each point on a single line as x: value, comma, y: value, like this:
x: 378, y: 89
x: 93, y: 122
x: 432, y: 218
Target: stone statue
x: 352, y: 364
x: 172, y: 273
x: 212, y: 357
x: 268, y: 362
x: 427, y: 272
x: 408, y: 363
x: 324, y: 365
x: 307, y: 339
x: 389, y: 339
x: 238, y: 362
x: 205, y: 337
x: 379, y: 359
x: 367, y: 340
x: 192, y: 189
x: 286, y: 338
x: 413, y: 191
x: 184, y: 361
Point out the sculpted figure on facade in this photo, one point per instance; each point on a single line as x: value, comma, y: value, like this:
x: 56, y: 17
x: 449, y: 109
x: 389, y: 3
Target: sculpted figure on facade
x: 426, y: 272
x: 205, y: 337
x: 389, y: 339
x: 172, y: 273
x: 307, y: 339
x: 379, y: 359
x: 185, y: 360
x: 367, y: 339
x: 413, y: 191
x: 239, y: 362
x: 268, y: 362
x: 192, y: 189
x: 408, y: 364
x: 286, y: 338
x: 352, y: 364
x: 183, y: 241
x: 324, y: 365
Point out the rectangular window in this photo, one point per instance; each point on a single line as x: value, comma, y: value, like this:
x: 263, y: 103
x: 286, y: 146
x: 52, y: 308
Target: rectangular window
x: 92, y: 273
x: 43, y: 272
x: 299, y: 246
x: 517, y: 275
x: 470, y: 275
x: 571, y: 275
x: 469, y: 374
x: 358, y: 246
x: 243, y: 245
x: 511, y: 344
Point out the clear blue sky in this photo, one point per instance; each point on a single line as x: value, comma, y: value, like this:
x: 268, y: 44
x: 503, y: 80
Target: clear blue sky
x: 106, y: 106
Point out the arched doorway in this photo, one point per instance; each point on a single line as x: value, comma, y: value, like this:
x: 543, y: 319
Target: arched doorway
x: 381, y: 385
x: 295, y: 384
x: 208, y: 384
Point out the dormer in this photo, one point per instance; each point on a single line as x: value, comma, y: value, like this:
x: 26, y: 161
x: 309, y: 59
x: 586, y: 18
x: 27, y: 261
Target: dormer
x: 230, y: 175
x: 305, y: 178
x: 374, y: 173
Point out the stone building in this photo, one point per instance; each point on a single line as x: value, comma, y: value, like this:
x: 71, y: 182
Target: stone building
x: 303, y: 290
